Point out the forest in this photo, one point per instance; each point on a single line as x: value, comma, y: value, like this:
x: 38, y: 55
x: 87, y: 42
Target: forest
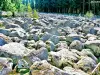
x: 55, y: 6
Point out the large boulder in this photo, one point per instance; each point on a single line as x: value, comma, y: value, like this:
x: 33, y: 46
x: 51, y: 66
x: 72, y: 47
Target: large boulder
x: 2, y: 42
x: 11, y: 25
x: 61, y: 45
x: 45, y: 36
x: 44, y: 68
x: 55, y: 39
x: 4, y: 31
x: 86, y: 64
x: 18, y: 32
x: 14, y: 51
x: 63, y: 58
x: 4, y: 39
x: 41, y: 53
x: 76, y: 44
x: 87, y: 52
x: 6, y: 64
x: 40, y: 44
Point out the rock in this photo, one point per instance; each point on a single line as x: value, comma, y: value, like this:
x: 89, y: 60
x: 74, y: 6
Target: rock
x: 15, y: 39
x: 30, y: 44
x: 34, y: 37
x: 87, y: 28
x: 11, y: 25
x: 72, y: 23
x: 2, y: 42
x: 87, y: 64
x: 63, y: 58
x: 19, y: 21
x: 95, y: 42
x: 41, y: 53
x: 93, y: 31
x: 40, y: 44
x: 24, y: 42
x: 14, y: 51
x: 45, y: 36
x: 72, y: 71
x: 75, y: 36
x: 18, y: 32
x: 71, y: 37
x: 91, y: 38
x: 4, y: 13
x: 22, y: 64
x: 95, y: 49
x: 61, y: 45
x: 50, y: 46
x: 55, y: 39
x: 62, y: 38
x: 76, y: 45
x: 7, y: 64
x: 26, y: 26
x: 44, y: 68
x: 5, y: 31
x: 87, y: 52
x: 5, y: 38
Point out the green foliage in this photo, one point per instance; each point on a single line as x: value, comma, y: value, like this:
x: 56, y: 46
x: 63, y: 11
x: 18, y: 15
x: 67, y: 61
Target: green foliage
x: 35, y: 15
x: 2, y: 26
x: 12, y: 8
x: 29, y: 9
x: 89, y: 14
x: 12, y: 5
x: 22, y: 8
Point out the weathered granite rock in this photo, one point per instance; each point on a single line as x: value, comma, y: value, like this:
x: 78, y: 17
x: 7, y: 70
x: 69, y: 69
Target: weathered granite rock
x: 14, y: 50
x: 2, y: 42
x: 72, y: 71
x: 7, y: 64
x: 50, y: 46
x: 95, y: 49
x: 45, y: 36
x: 11, y: 25
x: 61, y: 45
x: 87, y: 52
x: 87, y: 64
x: 4, y: 31
x: 44, y: 68
x: 54, y: 39
x: 63, y: 58
x: 76, y: 45
x: 41, y: 53
x: 40, y: 44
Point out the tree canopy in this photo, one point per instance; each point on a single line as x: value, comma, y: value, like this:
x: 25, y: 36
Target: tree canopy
x: 58, y: 6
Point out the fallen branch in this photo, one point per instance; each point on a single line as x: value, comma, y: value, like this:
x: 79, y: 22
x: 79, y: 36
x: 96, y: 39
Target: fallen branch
x: 95, y: 69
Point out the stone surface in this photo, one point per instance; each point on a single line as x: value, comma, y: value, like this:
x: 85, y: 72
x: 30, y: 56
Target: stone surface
x: 86, y: 64
x: 13, y: 50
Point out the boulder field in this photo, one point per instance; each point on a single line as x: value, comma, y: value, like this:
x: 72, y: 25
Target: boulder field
x: 52, y: 45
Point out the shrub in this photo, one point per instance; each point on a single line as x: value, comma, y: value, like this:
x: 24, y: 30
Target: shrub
x: 35, y: 15
x: 89, y: 14
x: 2, y: 26
x: 29, y: 10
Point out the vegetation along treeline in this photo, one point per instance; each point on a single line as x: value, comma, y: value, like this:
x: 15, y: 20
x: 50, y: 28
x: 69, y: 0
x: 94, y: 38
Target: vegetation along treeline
x: 58, y: 6
x: 66, y: 6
